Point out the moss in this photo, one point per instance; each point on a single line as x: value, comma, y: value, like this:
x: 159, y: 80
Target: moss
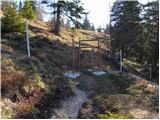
x: 112, y: 116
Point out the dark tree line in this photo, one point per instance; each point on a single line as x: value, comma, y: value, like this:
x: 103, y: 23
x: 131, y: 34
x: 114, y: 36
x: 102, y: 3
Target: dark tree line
x: 135, y: 30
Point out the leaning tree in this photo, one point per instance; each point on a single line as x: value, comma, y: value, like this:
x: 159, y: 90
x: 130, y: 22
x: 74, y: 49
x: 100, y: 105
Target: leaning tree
x: 72, y: 9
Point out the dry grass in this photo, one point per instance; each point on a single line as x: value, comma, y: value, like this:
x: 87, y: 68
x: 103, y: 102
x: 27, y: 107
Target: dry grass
x: 11, y: 81
x: 39, y: 79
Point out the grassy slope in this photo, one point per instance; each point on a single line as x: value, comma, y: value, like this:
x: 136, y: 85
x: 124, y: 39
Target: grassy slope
x: 118, y: 96
x: 33, y: 86
x: 28, y: 82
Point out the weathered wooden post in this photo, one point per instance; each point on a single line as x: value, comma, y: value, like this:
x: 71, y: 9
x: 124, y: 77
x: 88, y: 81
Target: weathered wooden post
x: 27, y: 37
x: 121, y: 62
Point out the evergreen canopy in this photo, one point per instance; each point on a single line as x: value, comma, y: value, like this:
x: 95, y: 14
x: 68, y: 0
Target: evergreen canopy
x: 27, y: 11
x: 12, y: 22
x: 71, y: 9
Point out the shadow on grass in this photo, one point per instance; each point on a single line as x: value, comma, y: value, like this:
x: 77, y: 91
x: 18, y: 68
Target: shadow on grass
x: 106, y: 84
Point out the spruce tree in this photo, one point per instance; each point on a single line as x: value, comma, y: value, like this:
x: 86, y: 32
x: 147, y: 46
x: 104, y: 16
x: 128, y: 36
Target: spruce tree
x: 99, y: 29
x: 86, y: 23
x: 107, y: 29
x: 27, y: 11
x: 20, y: 7
x: 151, y: 32
x: 92, y: 27
x: 71, y: 9
x: 125, y: 16
x: 12, y: 22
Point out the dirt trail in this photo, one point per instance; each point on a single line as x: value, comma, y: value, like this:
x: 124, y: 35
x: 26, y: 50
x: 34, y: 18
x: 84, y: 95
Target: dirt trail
x: 71, y: 106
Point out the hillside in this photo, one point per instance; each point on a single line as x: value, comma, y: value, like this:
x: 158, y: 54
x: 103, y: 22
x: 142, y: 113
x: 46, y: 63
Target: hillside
x: 31, y: 86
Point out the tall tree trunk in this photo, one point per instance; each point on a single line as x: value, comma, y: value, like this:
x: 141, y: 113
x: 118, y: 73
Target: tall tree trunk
x: 58, y: 22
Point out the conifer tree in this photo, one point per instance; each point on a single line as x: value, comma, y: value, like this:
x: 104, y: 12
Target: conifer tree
x: 151, y: 32
x: 92, y: 27
x: 99, y: 29
x: 71, y: 9
x: 125, y: 16
x: 86, y: 23
x: 27, y: 11
x: 20, y: 7
x: 12, y: 22
x: 107, y: 29
x: 135, y: 28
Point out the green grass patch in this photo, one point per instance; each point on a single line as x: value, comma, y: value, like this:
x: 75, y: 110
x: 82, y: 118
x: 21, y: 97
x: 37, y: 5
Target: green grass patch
x: 112, y: 116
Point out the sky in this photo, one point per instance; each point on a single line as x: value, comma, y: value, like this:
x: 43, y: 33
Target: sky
x: 99, y: 11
